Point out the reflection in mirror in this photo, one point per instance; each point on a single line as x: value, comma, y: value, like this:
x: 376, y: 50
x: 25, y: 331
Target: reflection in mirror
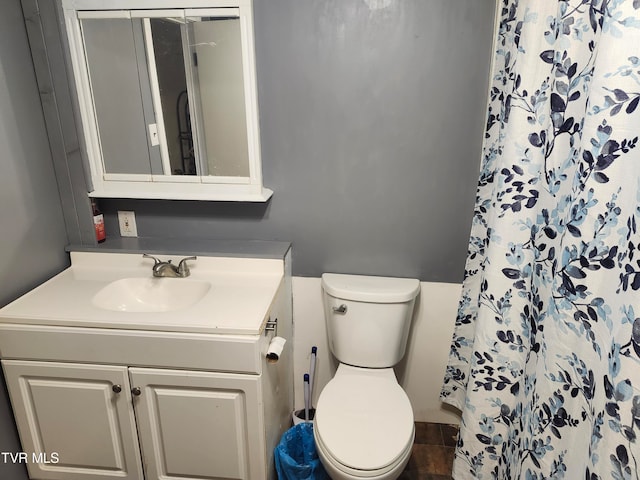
x: 216, y: 55
x: 172, y: 84
x: 122, y: 104
x: 168, y: 94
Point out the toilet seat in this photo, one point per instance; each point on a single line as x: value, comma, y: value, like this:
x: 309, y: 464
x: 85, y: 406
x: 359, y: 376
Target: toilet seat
x: 364, y: 421
x: 337, y: 471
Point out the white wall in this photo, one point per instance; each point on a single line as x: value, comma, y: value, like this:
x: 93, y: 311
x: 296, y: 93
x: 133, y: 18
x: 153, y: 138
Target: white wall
x: 421, y: 371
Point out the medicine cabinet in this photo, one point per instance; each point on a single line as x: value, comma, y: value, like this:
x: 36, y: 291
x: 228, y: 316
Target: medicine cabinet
x: 167, y: 97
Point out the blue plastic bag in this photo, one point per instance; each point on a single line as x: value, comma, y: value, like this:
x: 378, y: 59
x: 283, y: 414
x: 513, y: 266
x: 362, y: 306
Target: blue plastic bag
x: 296, y: 457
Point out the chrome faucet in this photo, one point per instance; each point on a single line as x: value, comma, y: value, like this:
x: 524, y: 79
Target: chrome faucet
x: 168, y: 269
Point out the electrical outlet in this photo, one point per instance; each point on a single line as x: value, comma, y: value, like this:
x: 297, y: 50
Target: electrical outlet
x: 127, y: 221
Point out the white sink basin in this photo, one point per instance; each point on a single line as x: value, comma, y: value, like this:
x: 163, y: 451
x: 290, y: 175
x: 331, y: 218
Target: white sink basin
x: 150, y: 294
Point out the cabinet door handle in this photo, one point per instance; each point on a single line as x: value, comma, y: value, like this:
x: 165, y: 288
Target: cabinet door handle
x: 135, y: 391
x: 116, y: 388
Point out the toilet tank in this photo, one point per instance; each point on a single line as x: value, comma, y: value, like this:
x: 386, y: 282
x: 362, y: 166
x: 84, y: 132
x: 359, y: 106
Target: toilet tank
x: 368, y: 318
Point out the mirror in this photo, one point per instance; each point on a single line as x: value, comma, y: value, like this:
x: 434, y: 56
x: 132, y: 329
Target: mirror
x: 167, y: 99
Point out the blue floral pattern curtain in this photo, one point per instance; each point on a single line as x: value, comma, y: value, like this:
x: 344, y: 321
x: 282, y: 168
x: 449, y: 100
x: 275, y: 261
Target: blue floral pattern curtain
x: 545, y: 359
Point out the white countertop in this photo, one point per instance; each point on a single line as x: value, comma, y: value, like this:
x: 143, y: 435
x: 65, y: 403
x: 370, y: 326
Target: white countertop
x: 238, y: 302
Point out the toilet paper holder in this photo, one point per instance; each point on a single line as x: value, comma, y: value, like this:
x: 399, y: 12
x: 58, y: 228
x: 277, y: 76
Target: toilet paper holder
x: 271, y: 326
x: 276, y: 345
x: 275, y: 349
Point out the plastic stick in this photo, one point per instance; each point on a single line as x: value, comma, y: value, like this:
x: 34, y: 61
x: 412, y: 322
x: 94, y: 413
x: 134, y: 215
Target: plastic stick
x: 306, y: 397
x: 312, y: 372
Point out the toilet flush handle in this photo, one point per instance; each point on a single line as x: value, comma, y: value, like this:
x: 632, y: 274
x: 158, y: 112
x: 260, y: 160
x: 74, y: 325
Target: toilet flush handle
x: 342, y: 309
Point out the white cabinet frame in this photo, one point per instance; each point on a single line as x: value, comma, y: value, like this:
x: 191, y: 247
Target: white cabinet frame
x: 177, y: 187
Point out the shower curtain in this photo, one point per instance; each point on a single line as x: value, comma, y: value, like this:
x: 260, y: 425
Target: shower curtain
x: 545, y: 359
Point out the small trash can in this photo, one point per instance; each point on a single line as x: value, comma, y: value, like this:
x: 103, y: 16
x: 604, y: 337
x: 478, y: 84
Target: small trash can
x: 296, y: 457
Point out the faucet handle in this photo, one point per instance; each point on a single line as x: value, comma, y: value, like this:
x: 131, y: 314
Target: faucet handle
x: 183, y: 268
x: 156, y: 260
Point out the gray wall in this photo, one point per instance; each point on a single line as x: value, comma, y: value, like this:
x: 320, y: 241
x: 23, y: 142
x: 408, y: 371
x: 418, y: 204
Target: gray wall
x: 32, y: 236
x: 371, y: 125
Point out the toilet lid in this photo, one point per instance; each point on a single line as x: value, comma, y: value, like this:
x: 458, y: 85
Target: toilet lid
x: 364, y: 419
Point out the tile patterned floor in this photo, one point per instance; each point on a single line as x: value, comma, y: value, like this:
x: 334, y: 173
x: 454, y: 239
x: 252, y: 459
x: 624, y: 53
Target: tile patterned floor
x: 432, y: 455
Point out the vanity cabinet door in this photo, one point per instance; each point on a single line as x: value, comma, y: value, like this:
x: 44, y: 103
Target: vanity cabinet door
x: 75, y: 421
x: 196, y: 425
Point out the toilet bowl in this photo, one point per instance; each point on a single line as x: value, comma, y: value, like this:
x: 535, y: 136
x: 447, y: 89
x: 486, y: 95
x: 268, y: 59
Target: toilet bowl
x: 364, y: 425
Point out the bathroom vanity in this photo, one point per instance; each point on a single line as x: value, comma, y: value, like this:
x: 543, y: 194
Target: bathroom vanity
x: 113, y: 373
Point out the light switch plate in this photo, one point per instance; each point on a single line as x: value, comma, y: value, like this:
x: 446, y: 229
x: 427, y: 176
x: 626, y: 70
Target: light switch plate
x: 127, y: 221
x: 153, y: 134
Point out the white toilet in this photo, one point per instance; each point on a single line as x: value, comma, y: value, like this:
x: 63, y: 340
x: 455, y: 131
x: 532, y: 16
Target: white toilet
x: 364, y: 422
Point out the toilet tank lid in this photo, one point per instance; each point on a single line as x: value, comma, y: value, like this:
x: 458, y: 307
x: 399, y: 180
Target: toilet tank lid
x: 372, y: 289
